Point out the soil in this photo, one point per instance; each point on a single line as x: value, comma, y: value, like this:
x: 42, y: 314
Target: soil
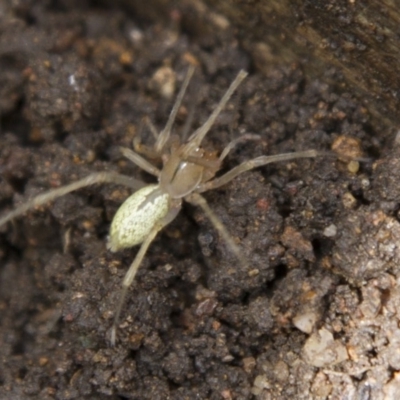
x: 315, y: 312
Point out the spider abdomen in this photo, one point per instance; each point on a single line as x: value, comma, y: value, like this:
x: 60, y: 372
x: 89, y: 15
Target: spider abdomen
x: 137, y: 216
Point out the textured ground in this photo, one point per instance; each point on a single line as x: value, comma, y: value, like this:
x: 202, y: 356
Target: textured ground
x: 315, y: 313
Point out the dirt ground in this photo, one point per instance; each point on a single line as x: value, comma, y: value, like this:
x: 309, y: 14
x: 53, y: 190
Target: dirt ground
x: 314, y: 314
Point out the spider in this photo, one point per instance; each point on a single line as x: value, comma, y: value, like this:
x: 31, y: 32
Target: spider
x: 187, y: 171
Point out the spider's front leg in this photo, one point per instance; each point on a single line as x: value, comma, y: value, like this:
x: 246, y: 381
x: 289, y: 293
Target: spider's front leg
x: 142, y: 149
x: 166, y: 132
x: 161, y: 138
x: 141, y: 162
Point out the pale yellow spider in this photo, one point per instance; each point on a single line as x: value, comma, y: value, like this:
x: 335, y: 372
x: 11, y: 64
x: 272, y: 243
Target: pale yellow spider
x: 187, y: 170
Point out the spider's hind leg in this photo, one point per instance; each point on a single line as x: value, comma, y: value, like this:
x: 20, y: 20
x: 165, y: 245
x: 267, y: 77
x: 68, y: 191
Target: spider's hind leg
x: 99, y: 177
x: 131, y: 273
x: 198, y: 200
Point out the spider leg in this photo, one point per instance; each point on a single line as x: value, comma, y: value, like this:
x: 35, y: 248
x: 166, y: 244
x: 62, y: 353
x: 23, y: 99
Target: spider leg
x: 189, y: 122
x: 198, y: 135
x: 165, y: 133
x: 100, y: 177
x: 131, y: 273
x: 200, y: 201
x: 211, y: 164
x: 144, y: 150
x: 141, y: 148
x: 233, y: 143
x: 255, y: 163
x: 147, y: 121
x: 140, y: 161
